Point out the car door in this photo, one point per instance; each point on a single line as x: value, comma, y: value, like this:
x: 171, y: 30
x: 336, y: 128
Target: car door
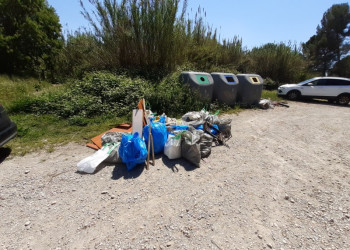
x: 318, y: 87
x: 339, y: 86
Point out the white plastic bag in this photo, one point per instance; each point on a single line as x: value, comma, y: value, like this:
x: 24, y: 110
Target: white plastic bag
x: 90, y: 163
x: 172, y: 148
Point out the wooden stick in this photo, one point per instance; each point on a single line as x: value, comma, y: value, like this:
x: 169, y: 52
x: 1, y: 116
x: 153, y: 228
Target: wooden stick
x: 149, y: 144
x: 153, y: 163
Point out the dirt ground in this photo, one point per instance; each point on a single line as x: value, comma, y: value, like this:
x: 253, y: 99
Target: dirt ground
x: 283, y: 182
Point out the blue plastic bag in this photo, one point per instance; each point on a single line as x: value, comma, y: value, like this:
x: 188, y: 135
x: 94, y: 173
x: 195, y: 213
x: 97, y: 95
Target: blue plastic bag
x: 162, y: 119
x: 214, y: 132
x: 160, y: 136
x: 132, y: 150
x: 174, y: 128
x: 180, y: 127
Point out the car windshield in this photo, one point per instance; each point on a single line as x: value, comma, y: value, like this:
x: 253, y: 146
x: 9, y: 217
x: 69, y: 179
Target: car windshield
x: 306, y: 81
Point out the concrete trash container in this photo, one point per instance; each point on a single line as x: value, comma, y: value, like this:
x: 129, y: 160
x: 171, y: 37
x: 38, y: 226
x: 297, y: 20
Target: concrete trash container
x: 225, y: 87
x: 203, y: 82
x: 250, y: 89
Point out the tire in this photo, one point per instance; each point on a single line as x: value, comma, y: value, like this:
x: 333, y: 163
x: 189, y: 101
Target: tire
x: 343, y: 99
x: 293, y: 95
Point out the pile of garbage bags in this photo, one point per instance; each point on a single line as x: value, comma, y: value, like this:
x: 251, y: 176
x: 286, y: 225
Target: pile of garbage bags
x: 191, y: 137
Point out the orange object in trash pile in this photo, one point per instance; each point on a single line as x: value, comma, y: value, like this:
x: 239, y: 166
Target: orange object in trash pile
x: 97, y: 142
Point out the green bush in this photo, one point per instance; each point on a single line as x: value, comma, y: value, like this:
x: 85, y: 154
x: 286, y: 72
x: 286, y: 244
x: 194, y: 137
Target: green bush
x: 106, y: 94
x: 96, y: 94
x: 270, y: 84
x: 172, y: 97
x: 24, y: 105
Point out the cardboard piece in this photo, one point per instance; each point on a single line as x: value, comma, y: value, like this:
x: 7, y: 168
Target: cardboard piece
x: 92, y: 145
x: 126, y: 128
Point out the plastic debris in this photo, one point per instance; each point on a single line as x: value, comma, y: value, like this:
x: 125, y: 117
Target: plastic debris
x: 224, y: 125
x: 265, y: 104
x: 116, y: 138
x: 132, y: 150
x: 172, y: 148
x: 205, y: 143
x: 213, y: 131
x: 195, y: 118
x: 159, y: 133
x: 90, y: 163
x: 190, y: 148
x: 112, y: 137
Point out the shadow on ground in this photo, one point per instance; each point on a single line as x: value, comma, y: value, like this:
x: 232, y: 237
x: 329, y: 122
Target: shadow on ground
x: 322, y: 102
x: 121, y: 171
x: 4, y: 153
x: 325, y: 102
x: 175, y: 164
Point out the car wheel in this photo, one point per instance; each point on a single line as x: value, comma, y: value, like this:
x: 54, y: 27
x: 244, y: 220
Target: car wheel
x: 343, y: 99
x: 293, y: 95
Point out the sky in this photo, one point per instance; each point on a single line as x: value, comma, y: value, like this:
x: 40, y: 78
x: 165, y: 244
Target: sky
x: 256, y: 22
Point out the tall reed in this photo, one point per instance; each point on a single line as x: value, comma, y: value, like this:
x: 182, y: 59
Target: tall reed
x: 281, y: 62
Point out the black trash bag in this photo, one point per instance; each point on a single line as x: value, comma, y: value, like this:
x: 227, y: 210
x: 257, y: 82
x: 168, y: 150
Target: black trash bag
x: 190, y: 148
x: 205, y: 143
x: 212, y: 119
x: 194, y: 118
x: 224, y: 125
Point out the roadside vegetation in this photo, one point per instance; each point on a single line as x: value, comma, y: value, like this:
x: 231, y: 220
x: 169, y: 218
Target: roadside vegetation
x: 42, y: 131
x: 87, y: 82
x: 49, y: 115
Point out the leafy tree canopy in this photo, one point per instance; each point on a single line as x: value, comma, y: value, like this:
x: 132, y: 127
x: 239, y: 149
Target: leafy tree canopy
x: 30, y: 37
x: 342, y: 68
x: 331, y: 40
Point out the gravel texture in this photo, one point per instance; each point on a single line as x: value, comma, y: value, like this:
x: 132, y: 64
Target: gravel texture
x: 283, y: 182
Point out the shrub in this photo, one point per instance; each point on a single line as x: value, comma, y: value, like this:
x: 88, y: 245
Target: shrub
x: 172, y: 97
x: 96, y: 94
x: 281, y: 62
x: 270, y: 84
x: 108, y: 95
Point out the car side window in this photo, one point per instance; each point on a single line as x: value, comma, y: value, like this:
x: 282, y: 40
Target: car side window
x: 343, y: 83
x: 335, y: 82
x: 323, y: 82
x: 320, y: 82
x: 338, y: 82
x: 313, y: 83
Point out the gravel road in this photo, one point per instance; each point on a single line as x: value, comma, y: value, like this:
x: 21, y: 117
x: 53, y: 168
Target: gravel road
x: 283, y: 182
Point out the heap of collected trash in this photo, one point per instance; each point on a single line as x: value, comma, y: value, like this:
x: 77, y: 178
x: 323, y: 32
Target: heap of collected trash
x: 190, y: 137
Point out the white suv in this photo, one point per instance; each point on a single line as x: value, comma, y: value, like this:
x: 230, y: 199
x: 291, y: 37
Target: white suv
x: 330, y: 88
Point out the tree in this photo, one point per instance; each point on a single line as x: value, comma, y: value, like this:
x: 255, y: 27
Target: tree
x: 342, y: 68
x: 30, y: 37
x: 330, y: 43
x: 81, y: 53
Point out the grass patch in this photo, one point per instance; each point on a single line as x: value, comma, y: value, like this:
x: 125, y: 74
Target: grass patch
x: 270, y: 94
x: 233, y: 110
x: 15, y: 89
x: 42, y: 132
